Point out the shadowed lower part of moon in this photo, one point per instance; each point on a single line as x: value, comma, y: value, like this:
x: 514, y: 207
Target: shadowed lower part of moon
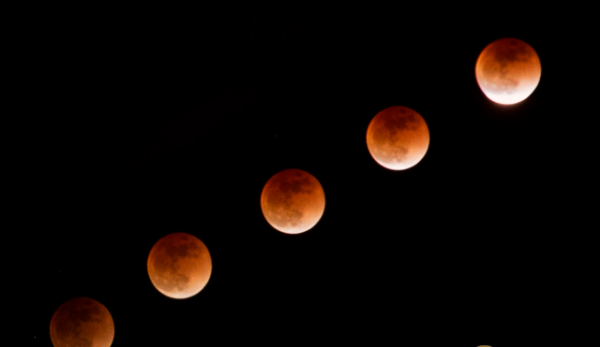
x: 82, y: 322
x: 508, y: 71
x: 398, y: 138
x: 179, y: 265
x: 293, y: 201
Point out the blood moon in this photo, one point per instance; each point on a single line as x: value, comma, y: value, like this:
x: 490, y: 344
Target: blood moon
x: 179, y: 265
x: 508, y: 71
x: 82, y: 322
x: 398, y: 138
x: 292, y: 201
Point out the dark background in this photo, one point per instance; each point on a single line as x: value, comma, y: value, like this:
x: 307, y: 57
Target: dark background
x: 147, y: 121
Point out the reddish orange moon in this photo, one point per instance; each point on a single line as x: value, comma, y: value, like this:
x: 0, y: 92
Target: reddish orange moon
x: 179, y: 265
x: 292, y: 201
x: 398, y: 138
x: 508, y: 71
x: 82, y: 322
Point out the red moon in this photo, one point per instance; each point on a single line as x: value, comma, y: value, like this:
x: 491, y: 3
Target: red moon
x: 82, y: 322
x: 398, y: 138
x: 179, y: 265
x: 508, y: 71
x: 292, y: 201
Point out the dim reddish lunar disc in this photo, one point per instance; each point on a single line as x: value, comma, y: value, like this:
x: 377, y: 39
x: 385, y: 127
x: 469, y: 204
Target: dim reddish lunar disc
x: 508, y: 71
x: 82, y: 322
x: 179, y: 265
x: 292, y: 201
x: 398, y: 138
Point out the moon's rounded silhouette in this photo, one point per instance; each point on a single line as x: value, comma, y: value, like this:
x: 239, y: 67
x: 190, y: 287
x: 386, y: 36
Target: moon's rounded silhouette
x: 292, y: 201
x: 179, y: 265
x: 82, y: 322
x: 398, y: 138
x: 508, y: 71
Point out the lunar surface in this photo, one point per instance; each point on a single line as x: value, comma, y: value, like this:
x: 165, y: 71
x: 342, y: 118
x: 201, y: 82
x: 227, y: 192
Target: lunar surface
x: 293, y: 201
x: 179, y: 265
x: 398, y: 138
x: 508, y: 71
x: 82, y: 322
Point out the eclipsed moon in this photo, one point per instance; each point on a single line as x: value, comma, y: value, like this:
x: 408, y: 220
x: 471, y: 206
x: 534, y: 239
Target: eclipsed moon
x: 292, y: 201
x: 179, y: 265
x: 82, y: 322
x: 508, y: 71
x: 398, y: 138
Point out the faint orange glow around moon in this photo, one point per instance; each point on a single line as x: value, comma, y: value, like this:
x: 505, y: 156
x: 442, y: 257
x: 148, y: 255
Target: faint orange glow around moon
x: 82, y: 322
x: 179, y: 265
x: 292, y: 201
x: 398, y: 138
x: 508, y: 71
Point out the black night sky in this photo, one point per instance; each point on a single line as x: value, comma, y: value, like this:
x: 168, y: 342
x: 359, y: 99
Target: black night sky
x: 155, y: 120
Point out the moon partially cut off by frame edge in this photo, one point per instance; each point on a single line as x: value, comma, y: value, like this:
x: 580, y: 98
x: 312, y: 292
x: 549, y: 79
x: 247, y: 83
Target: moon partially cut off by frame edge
x: 82, y: 321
